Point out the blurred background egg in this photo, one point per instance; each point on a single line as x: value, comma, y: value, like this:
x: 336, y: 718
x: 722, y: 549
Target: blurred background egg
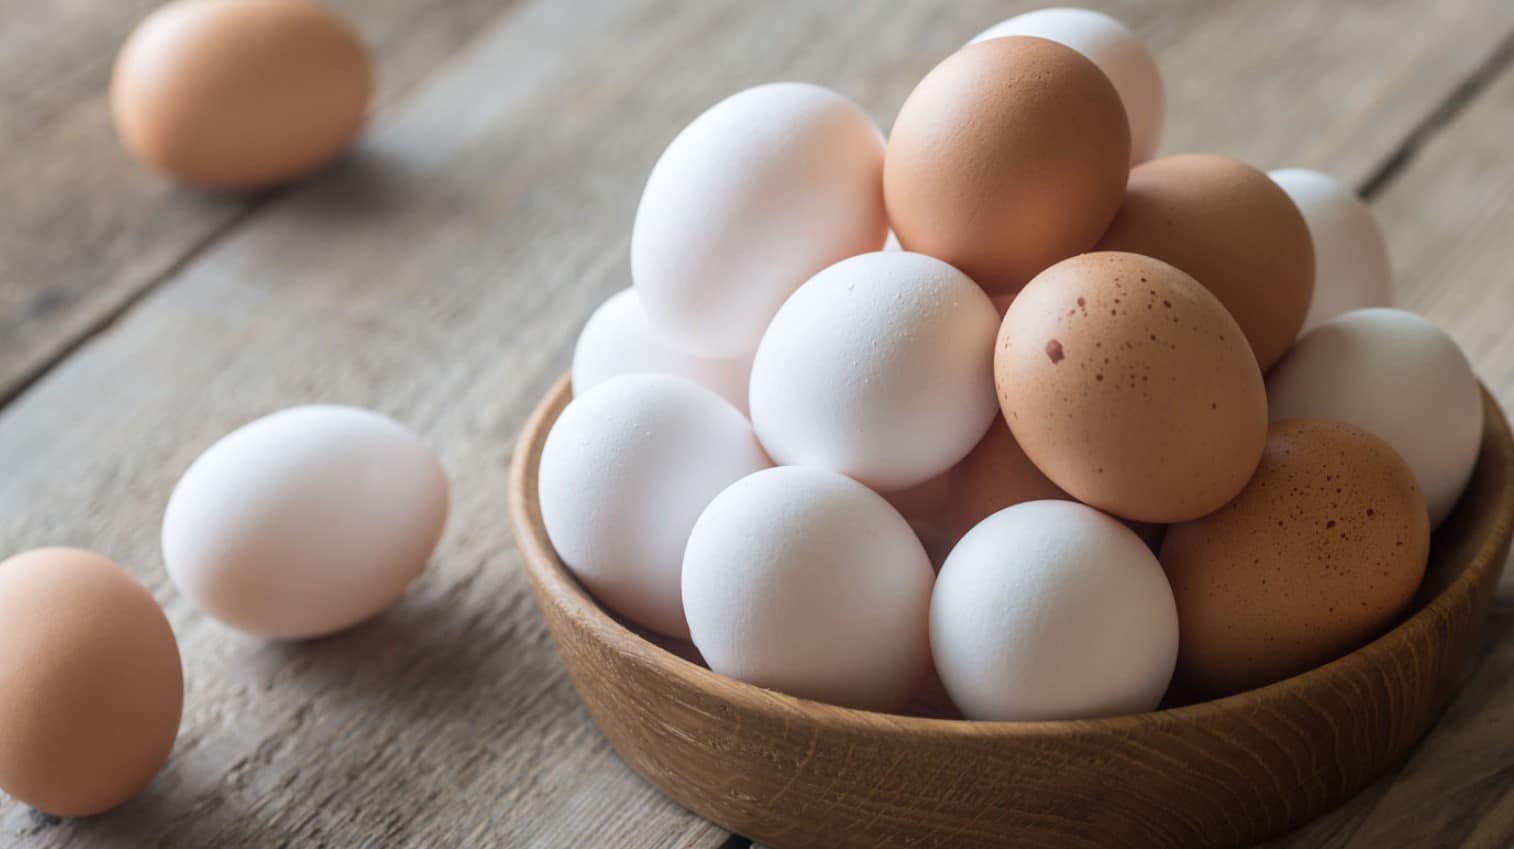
x: 1010, y: 155
x: 1233, y: 230
x: 1396, y: 375
x: 91, y: 687
x: 879, y: 367
x: 803, y: 580
x: 618, y: 340
x: 1317, y: 555
x: 1118, y: 52
x: 1351, y: 266
x: 625, y: 471
x: 1052, y: 610
x: 306, y: 521
x: 1130, y: 386
x: 240, y: 94
x: 761, y: 191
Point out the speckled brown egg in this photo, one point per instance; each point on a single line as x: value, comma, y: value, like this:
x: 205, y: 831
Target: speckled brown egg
x: 1232, y: 228
x: 1319, y: 554
x: 1010, y: 155
x: 91, y: 687
x: 240, y: 94
x: 1130, y: 386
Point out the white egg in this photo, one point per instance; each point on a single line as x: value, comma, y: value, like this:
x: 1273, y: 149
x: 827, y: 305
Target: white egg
x: 879, y: 367
x: 619, y: 340
x: 1351, y: 266
x: 1399, y: 376
x: 802, y: 580
x: 761, y: 191
x: 1118, y: 52
x: 305, y: 522
x: 626, y: 469
x: 1053, y: 610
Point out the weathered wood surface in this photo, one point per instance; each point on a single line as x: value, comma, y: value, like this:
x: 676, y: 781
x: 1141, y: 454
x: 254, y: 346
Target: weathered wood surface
x: 440, y: 274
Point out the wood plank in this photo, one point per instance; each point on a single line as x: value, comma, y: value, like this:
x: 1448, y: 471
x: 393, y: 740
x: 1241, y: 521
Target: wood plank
x: 440, y: 275
x: 84, y: 229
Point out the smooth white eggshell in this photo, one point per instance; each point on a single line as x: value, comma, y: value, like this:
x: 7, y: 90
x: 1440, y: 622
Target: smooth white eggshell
x: 1351, y: 266
x: 764, y: 189
x: 626, y: 469
x: 1118, y: 52
x: 305, y: 522
x: 802, y: 580
x: 879, y: 367
x: 619, y: 340
x: 1399, y: 376
x: 1053, y: 610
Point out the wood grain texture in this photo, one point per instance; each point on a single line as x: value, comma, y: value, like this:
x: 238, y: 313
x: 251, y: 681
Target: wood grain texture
x: 803, y: 775
x: 440, y: 275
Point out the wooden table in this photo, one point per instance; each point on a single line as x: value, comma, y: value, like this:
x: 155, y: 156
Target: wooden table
x: 440, y: 274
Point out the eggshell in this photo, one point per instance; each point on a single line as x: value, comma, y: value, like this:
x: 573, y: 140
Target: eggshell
x: 879, y: 367
x: 1351, y: 266
x: 1052, y: 610
x: 1009, y: 156
x: 91, y: 688
x: 802, y: 580
x: 756, y: 195
x: 305, y: 522
x: 1234, y: 230
x: 1399, y: 376
x: 240, y: 94
x: 625, y: 471
x: 1319, y: 553
x: 1130, y: 387
x: 619, y: 340
x: 1118, y: 52
x: 995, y: 475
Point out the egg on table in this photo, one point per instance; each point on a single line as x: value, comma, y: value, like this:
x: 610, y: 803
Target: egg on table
x: 626, y: 469
x: 240, y: 94
x: 760, y: 192
x: 306, y: 521
x: 91, y: 686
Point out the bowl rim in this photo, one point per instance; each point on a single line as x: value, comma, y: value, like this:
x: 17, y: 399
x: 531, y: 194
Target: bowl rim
x: 554, y: 579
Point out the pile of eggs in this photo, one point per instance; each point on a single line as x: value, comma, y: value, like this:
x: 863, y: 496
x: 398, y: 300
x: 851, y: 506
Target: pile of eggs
x: 1003, y: 398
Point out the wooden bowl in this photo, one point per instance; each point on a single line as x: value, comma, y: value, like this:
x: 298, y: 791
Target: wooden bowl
x: 796, y: 774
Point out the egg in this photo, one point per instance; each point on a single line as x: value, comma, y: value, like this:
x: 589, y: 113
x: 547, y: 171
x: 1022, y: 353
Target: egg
x: 1234, y: 230
x: 1351, y: 266
x: 1010, y: 155
x: 305, y: 522
x: 1129, y: 385
x: 995, y: 475
x: 91, y: 687
x: 240, y: 94
x: 1319, y: 553
x: 1052, y: 610
x: 802, y: 580
x: 1118, y: 52
x: 1399, y: 376
x: 760, y: 192
x: 618, y: 340
x: 879, y: 367
x: 626, y: 469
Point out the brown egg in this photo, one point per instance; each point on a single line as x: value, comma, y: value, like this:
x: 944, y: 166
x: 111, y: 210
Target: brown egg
x: 1319, y: 554
x: 1010, y: 155
x: 239, y: 94
x: 995, y: 475
x: 90, y: 683
x: 1232, y: 228
x: 1130, y: 386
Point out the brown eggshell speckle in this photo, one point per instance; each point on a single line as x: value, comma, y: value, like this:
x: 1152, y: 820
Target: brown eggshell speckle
x: 1130, y: 387
x: 1319, y: 553
x: 91, y: 687
x: 240, y: 94
x: 1010, y: 155
x: 1232, y: 228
